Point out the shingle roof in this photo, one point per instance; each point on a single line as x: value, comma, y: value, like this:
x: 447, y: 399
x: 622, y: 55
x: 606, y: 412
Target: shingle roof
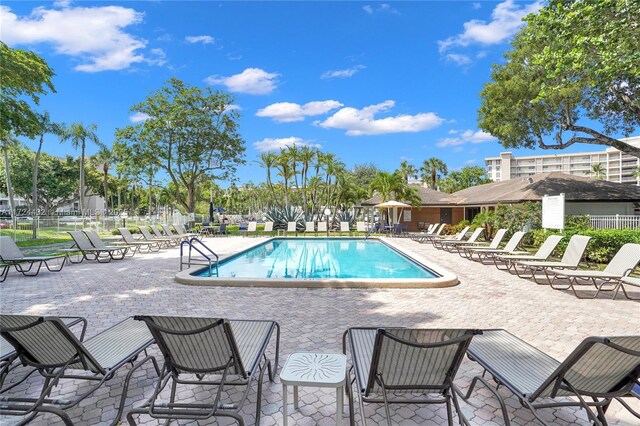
x: 533, y: 188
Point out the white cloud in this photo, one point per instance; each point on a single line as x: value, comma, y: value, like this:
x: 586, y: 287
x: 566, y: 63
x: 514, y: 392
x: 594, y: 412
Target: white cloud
x: 271, y: 144
x: 362, y: 122
x: 253, y: 81
x: 349, y: 72
x: 476, y: 5
x: 95, y: 36
x: 506, y: 19
x: 467, y: 136
x: 472, y: 161
x: 204, y: 39
x: 287, y: 112
x: 139, y: 117
x: 384, y: 7
x: 458, y: 58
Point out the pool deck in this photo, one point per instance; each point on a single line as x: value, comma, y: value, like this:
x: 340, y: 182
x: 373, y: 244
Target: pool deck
x: 313, y: 320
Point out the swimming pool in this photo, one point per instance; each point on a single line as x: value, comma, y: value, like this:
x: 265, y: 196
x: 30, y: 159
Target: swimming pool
x: 322, y: 262
x: 321, y: 258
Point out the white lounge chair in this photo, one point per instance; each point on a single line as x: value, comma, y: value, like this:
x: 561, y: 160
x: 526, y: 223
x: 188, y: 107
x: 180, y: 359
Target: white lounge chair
x: 625, y: 261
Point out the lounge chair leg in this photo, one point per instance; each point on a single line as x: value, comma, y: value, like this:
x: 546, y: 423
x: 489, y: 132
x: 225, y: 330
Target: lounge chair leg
x: 481, y: 379
x: 125, y: 388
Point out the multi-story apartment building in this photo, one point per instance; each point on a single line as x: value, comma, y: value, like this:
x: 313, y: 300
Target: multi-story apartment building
x: 618, y: 167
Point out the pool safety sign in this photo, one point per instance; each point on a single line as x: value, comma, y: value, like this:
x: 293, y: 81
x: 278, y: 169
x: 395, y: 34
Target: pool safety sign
x: 553, y: 211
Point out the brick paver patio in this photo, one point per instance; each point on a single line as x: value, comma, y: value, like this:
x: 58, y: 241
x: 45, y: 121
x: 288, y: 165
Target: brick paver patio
x: 314, y: 320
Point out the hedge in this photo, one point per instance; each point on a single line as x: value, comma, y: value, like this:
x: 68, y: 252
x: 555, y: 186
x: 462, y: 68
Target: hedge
x: 604, y: 243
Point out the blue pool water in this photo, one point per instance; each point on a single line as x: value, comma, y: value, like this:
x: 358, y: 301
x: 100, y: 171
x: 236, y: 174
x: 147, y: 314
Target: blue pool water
x: 321, y: 258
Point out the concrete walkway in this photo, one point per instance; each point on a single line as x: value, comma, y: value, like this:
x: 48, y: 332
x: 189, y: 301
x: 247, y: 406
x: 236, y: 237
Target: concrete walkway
x: 314, y: 320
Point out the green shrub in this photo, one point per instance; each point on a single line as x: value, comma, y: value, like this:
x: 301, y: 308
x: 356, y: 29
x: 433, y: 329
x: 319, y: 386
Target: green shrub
x: 604, y: 243
x: 578, y: 221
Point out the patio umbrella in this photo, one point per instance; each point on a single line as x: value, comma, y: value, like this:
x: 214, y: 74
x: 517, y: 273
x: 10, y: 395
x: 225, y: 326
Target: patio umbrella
x: 392, y: 204
x: 211, y: 210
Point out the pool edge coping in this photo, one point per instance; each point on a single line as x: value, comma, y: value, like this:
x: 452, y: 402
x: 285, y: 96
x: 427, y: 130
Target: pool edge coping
x: 446, y: 279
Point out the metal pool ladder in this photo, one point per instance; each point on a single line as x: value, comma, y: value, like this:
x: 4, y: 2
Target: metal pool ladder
x: 210, y: 257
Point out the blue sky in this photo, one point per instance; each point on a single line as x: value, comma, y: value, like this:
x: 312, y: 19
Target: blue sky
x: 369, y: 81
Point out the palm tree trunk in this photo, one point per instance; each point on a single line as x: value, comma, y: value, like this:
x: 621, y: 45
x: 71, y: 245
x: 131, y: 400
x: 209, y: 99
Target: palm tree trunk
x: 82, y: 181
x: 106, y: 190
x: 12, y: 206
x: 34, y: 188
x: 149, y: 200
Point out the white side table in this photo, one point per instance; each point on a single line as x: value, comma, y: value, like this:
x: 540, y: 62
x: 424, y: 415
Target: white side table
x: 315, y: 370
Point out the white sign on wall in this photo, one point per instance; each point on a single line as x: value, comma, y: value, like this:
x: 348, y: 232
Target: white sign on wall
x: 406, y: 215
x: 553, y: 211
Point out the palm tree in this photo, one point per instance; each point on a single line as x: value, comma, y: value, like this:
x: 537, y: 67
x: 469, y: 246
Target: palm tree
x: 431, y: 168
x: 79, y: 134
x: 306, y: 157
x: 636, y: 173
x: 268, y: 161
x: 45, y: 126
x: 408, y: 170
x: 387, y: 185
x: 103, y: 160
x: 597, y: 171
x: 286, y: 172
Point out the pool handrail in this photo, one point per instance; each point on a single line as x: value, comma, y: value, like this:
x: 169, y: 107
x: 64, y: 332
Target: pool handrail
x: 191, y: 245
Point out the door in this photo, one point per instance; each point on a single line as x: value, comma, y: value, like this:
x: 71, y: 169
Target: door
x: 445, y: 215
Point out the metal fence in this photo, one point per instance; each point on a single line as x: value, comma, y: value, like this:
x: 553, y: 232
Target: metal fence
x: 21, y: 228
x: 616, y: 221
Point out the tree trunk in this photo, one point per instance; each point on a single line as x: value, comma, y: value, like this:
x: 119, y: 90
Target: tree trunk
x: 105, y: 185
x: 149, y: 201
x: 12, y: 206
x: 433, y: 179
x: 34, y: 189
x: 82, y: 181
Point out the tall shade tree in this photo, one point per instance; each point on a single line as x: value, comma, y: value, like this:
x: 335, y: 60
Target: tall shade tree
x: 431, y: 169
x: 79, y: 135
x: 193, y: 135
x: 573, y: 76
x: 23, y: 76
x: 408, y: 170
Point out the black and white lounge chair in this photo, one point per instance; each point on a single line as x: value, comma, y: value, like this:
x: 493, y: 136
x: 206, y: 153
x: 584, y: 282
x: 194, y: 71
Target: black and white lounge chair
x: 219, y: 352
x: 158, y: 233
x: 570, y: 260
x: 494, y: 244
x: 450, y: 245
x: 167, y: 230
x: 183, y: 231
x: 97, y: 242
x: 128, y: 239
x: 11, y: 255
x: 405, y: 366
x: 599, y: 369
x: 103, y: 254
x: 47, y: 345
x: 624, y: 261
x: 542, y: 254
x: 488, y: 253
x: 8, y: 353
x: 162, y: 241
x: 626, y: 281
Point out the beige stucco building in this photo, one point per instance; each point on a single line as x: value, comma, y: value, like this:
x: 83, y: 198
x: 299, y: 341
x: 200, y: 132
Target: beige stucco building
x: 619, y: 167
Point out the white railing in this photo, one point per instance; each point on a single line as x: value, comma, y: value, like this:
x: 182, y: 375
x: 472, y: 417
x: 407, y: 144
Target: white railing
x: 616, y: 221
